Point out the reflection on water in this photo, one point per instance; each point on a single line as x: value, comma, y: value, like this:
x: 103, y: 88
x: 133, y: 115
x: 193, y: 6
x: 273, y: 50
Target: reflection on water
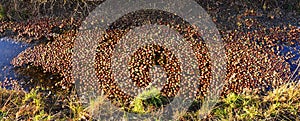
x: 291, y: 53
x: 27, y: 76
x: 8, y: 50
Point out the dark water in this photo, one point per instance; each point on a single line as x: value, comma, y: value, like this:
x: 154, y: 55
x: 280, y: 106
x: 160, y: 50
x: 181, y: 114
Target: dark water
x: 28, y: 76
x: 294, y: 61
x: 8, y: 50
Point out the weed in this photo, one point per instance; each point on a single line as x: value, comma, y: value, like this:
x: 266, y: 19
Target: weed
x: 2, y: 12
x: 248, y: 106
x: 147, y: 101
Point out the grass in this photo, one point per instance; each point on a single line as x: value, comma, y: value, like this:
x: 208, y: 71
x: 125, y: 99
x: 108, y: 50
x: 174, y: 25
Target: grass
x: 2, y: 12
x: 77, y: 111
x: 280, y: 104
x: 147, y: 101
x: 19, y: 10
x: 24, y: 106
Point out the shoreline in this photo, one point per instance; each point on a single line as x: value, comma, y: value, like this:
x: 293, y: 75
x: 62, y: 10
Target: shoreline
x: 252, y: 36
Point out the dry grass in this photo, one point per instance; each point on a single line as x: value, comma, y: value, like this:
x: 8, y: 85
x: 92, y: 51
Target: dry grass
x: 23, y: 10
x: 280, y: 104
x: 19, y: 10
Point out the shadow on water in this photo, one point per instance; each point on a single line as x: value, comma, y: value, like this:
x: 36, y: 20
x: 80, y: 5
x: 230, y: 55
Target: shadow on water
x: 30, y: 77
x: 8, y: 50
x: 27, y: 76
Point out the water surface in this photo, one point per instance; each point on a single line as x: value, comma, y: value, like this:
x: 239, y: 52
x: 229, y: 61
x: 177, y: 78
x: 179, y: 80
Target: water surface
x: 8, y: 50
x: 294, y: 60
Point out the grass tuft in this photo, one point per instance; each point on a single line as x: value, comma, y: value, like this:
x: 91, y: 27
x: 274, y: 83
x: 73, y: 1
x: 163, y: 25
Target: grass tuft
x: 147, y: 101
x: 280, y: 104
x: 2, y: 12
